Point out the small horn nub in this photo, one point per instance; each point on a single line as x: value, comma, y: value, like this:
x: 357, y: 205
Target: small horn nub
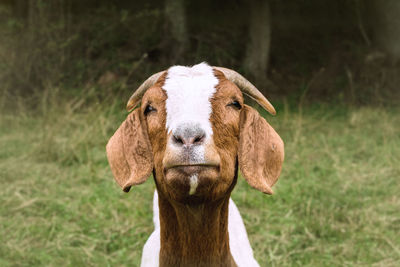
x: 247, y: 88
x: 138, y: 94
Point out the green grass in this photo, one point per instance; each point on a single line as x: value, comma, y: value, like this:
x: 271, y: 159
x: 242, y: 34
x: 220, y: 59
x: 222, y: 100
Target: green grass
x: 337, y: 202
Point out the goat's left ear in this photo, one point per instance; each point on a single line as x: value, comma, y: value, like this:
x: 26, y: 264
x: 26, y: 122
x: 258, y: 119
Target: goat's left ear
x: 129, y: 152
x: 261, y: 151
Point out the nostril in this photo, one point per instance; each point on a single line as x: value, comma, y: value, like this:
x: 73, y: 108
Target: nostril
x: 178, y: 140
x: 198, y: 139
x: 188, y: 136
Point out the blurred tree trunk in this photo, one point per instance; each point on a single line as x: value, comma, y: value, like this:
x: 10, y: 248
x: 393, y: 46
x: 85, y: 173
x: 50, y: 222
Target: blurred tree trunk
x: 257, y: 51
x: 176, y: 28
x: 32, y: 13
x: 385, y: 24
x: 20, y: 8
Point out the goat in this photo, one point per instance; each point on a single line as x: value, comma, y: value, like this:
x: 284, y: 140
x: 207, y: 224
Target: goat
x: 192, y: 132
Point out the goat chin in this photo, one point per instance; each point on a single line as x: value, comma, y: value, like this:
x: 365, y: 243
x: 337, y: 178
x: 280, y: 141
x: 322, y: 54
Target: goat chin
x: 191, y: 182
x: 238, y: 241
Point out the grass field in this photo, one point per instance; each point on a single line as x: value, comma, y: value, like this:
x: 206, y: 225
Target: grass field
x: 337, y: 202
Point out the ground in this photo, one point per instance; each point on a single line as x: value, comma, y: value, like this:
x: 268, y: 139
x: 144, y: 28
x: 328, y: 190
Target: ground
x: 336, y: 204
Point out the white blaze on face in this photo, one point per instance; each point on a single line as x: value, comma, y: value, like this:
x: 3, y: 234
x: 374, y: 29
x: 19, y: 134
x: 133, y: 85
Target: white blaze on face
x: 188, y: 108
x: 189, y: 90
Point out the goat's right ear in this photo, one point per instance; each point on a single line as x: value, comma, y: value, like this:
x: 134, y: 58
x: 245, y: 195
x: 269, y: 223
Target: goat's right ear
x: 129, y: 152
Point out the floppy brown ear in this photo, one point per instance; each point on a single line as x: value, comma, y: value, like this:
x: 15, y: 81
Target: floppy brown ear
x: 261, y: 151
x: 129, y: 152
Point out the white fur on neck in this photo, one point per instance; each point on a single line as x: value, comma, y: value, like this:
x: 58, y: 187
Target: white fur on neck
x: 189, y: 90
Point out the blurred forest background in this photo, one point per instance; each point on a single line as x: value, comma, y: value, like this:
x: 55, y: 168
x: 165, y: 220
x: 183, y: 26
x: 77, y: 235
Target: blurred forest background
x: 330, y: 68
x: 346, y: 50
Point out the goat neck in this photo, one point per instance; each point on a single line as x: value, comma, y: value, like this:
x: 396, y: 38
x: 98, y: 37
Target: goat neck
x: 194, y: 235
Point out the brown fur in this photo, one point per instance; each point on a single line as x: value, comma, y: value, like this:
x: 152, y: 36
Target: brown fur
x: 129, y: 152
x: 194, y: 235
x: 194, y: 229
x: 261, y: 151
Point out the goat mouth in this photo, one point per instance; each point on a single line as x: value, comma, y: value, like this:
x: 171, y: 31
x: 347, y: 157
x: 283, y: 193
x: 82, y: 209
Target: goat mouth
x: 190, y: 169
x: 192, y: 166
x: 197, y: 165
x: 177, y: 165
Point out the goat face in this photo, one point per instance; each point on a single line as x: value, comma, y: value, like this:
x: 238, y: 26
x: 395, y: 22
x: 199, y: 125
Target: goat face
x: 192, y: 130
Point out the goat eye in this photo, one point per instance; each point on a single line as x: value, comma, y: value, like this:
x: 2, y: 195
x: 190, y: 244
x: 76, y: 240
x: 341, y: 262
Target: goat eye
x: 148, y: 109
x: 235, y: 104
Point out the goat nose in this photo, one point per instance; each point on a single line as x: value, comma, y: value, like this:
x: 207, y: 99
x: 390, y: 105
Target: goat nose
x: 188, y: 136
x: 197, y: 140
